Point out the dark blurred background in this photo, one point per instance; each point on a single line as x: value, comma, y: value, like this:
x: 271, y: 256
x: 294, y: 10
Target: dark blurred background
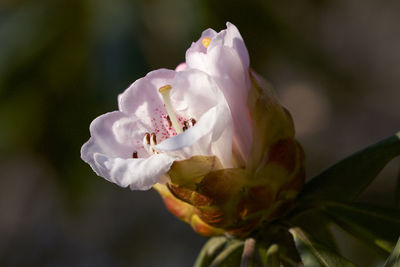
x: 334, y: 64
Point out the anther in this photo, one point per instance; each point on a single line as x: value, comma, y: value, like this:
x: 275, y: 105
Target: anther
x: 153, y: 142
x: 192, y: 122
x: 153, y: 139
x: 206, y: 41
x: 186, y: 125
x: 149, y: 141
x: 146, y: 139
x: 164, y: 91
x: 135, y: 155
x: 169, y: 121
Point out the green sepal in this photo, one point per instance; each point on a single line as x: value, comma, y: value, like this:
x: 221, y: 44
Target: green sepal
x: 268, y: 256
x: 271, y: 121
x: 314, y: 254
x: 230, y: 256
x: 210, y: 250
x: 345, y: 180
x: 188, y: 173
x: 394, y: 258
x: 375, y: 226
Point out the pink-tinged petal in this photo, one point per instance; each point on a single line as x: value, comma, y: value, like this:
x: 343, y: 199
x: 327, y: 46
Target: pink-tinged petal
x: 107, y: 139
x: 143, y: 101
x: 198, y: 46
x: 212, y: 135
x: 193, y: 93
x: 115, y: 137
x: 234, y: 39
x: 226, y: 59
x: 230, y: 38
x: 181, y: 67
x: 145, y: 90
x: 225, y: 66
x: 138, y: 174
x: 196, y: 95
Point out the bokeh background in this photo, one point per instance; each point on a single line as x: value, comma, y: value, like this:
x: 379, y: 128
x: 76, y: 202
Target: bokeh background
x: 334, y: 64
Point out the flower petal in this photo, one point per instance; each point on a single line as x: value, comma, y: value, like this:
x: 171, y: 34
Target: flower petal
x: 181, y: 67
x: 224, y: 65
x: 212, y: 135
x: 114, y: 138
x: 145, y: 90
x: 195, y: 94
x: 226, y: 60
x: 139, y: 174
x: 143, y: 101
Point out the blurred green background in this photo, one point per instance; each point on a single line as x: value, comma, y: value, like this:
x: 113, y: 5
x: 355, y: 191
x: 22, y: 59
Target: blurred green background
x: 334, y: 64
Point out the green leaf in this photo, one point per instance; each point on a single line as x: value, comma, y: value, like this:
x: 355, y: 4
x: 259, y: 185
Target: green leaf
x: 377, y: 226
x: 230, y: 256
x: 269, y: 257
x: 314, y: 254
x: 394, y: 258
x: 210, y: 250
x: 345, y: 180
x: 397, y: 193
x: 316, y: 222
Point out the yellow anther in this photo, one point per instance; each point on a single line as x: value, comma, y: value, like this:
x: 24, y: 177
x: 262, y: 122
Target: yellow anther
x: 164, y: 91
x: 206, y: 41
x: 165, y: 88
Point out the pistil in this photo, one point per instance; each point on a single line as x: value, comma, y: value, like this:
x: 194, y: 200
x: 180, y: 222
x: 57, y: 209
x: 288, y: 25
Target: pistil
x: 164, y: 91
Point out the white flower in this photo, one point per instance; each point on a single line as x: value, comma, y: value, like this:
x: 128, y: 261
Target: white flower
x: 225, y: 58
x: 163, y: 117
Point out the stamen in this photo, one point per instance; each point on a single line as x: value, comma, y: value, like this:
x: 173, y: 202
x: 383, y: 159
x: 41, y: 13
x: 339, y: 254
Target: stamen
x: 169, y: 121
x: 192, y: 122
x: 146, y: 139
x: 206, y: 41
x: 135, y: 155
x: 153, y: 142
x: 146, y: 143
x: 186, y: 125
x: 149, y: 142
x: 153, y: 139
x: 164, y: 91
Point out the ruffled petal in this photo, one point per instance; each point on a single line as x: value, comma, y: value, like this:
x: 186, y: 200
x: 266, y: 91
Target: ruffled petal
x: 224, y: 64
x: 115, y: 136
x: 138, y: 174
x: 212, y: 135
x: 195, y: 94
x: 142, y: 97
x: 234, y: 39
x: 181, y: 67
x: 142, y: 100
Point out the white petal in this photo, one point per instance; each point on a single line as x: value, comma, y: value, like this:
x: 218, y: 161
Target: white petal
x: 145, y: 90
x: 234, y: 39
x: 225, y: 66
x: 114, y: 138
x: 181, y: 67
x: 196, y: 94
x: 212, y: 135
x: 193, y: 93
x: 143, y: 101
x: 139, y: 174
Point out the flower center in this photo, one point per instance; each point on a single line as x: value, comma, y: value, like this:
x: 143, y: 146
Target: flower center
x: 164, y: 91
x: 206, y: 41
x: 150, y: 139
